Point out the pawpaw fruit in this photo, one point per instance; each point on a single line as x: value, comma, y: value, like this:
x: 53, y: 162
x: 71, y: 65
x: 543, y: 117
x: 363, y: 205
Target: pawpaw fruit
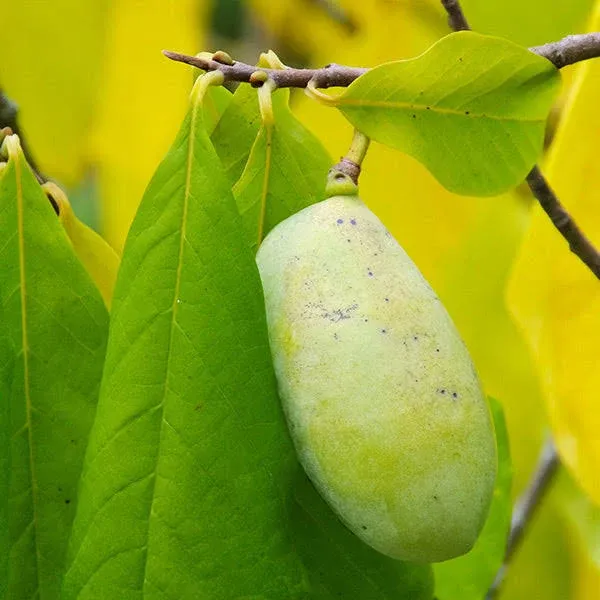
x: 379, y: 392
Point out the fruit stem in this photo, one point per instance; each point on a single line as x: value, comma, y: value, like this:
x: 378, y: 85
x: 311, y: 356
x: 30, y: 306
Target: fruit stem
x: 358, y: 148
x: 343, y: 177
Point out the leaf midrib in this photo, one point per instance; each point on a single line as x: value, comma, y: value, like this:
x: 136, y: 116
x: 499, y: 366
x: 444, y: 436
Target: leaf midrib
x: 25, y: 345
x: 184, y: 214
x: 408, y: 106
x: 265, y: 185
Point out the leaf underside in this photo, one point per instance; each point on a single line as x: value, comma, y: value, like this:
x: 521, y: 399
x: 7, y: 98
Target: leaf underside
x: 472, y: 109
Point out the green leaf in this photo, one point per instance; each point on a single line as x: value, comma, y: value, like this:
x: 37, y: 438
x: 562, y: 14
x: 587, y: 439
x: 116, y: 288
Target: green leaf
x: 236, y: 130
x: 6, y: 366
x: 469, y: 577
x: 286, y: 171
x: 215, y: 104
x: 57, y: 324
x: 472, y: 109
x: 185, y: 485
x: 342, y: 566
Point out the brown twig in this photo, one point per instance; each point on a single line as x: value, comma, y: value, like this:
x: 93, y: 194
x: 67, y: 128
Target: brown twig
x: 579, y: 244
x: 456, y: 17
x: 525, y: 508
x: 329, y: 76
x: 572, y: 49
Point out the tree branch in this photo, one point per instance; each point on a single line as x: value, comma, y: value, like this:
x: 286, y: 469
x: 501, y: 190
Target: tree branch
x: 569, y: 50
x: 456, y: 17
x: 526, y: 506
x: 579, y: 244
x: 330, y: 76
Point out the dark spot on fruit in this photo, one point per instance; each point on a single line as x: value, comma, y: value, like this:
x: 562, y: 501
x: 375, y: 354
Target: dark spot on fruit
x: 435, y: 497
x: 366, y: 320
x: 437, y: 349
x: 460, y: 59
x: 384, y: 331
x: 340, y: 221
x: 352, y: 221
x: 415, y: 337
x: 198, y: 407
x: 414, y: 116
x: 364, y: 527
x: 347, y: 240
x: 336, y: 336
x: 442, y: 391
x: 428, y: 107
x: 387, y: 299
x: 370, y: 272
x: 454, y: 395
x: 467, y: 112
x: 67, y: 501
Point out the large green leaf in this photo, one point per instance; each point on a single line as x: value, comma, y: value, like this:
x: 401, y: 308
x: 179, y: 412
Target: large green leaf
x: 469, y: 577
x: 57, y: 323
x: 184, y: 487
x: 286, y: 171
x: 472, y: 109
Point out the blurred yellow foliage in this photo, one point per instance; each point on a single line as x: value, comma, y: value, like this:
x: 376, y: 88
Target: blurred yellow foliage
x: 51, y: 63
x: 144, y: 97
x: 555, y: 297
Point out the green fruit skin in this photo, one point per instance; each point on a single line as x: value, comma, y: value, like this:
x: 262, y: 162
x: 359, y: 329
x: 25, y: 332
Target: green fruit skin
x: 380, y: 394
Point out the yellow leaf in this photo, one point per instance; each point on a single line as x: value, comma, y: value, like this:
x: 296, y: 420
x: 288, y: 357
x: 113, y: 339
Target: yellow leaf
x: 99, y: 259
x: 143, y: 100
x: 51, y: 67
x: 555, y: 298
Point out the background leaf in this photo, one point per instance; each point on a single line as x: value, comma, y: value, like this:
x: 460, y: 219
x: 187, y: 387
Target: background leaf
x: 51, y: 67
x: 98, y: 258
x: 142, y: 102
x: 554, y: 296
x: 528, y: 23
x: 236, y: 130
x: 472, y: 109
x: 286, y: 171
x: 469, y: 577
x: 215, y: 104
x: 57, y: 323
